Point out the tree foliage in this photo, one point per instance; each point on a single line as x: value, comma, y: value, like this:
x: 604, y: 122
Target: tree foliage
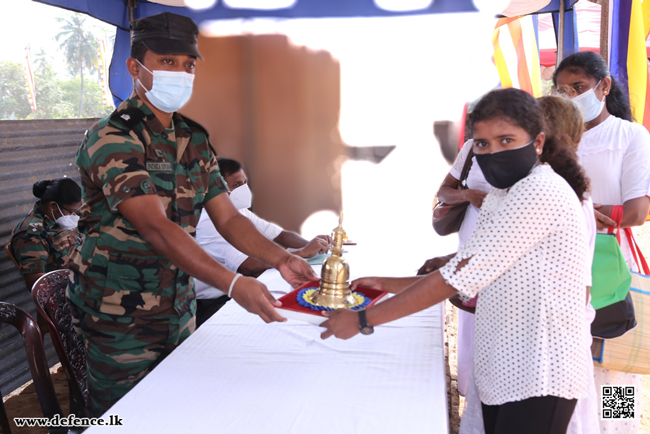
x: 79, y: 47
x: 57, y: 97
x: 13, y: 92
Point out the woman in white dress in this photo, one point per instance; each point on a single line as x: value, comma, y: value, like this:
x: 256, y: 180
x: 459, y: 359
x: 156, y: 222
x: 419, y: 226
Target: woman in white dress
x: 450, y: 193
x: 530, y: 364
x: 615, y: 153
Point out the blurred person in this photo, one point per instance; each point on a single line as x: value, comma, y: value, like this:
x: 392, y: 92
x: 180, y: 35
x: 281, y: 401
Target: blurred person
x: 451, y: 193
x: 147, y: 172
x: 564, y: 127
x: 530, y: 365
x: 615, y: 153
x: 45, y: 238
x: 210, y: 299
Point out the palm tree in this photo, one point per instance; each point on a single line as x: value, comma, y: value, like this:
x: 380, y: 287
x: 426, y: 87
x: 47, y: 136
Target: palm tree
x: 42, y: 62
x: 79, y: 47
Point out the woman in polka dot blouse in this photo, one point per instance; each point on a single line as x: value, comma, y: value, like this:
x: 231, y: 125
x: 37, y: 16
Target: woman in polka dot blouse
x: 527, y: 257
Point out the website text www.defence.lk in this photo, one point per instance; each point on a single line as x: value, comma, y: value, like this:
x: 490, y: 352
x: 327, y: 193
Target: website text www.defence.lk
x: 71, y: 421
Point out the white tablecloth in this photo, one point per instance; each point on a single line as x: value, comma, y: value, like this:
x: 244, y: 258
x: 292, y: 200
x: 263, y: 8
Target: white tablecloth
x: 238, y: 375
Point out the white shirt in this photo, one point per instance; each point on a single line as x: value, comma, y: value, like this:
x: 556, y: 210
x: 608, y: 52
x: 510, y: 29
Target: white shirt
x: 529, y: 252
x: 475, y: 181
x: 616, y: 157
x: 221, y: 250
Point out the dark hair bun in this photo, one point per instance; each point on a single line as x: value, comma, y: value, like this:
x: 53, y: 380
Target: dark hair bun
x: 39, y: 187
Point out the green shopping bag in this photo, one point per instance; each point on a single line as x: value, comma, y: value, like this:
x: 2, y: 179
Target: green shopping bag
x: 631, y: 351
x: 610, y: 280
x: 611, y: 277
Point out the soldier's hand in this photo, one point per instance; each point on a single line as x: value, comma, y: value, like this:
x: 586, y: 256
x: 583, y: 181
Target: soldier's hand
x: 252, y: 295
x: 296, y: 271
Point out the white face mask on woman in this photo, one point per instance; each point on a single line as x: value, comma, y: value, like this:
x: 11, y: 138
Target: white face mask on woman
x: 241, y: 197
x: 589, y: 104
x: 170, y: 90
x: 66, y: 221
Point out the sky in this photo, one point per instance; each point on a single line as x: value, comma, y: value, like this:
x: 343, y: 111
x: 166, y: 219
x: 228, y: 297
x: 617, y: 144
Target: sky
x: 27, y: 22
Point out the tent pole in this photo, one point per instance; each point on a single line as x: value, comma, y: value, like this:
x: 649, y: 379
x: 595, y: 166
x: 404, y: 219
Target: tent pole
x: 604, y: 30
x: 132, y: 5
x: 560, y: 36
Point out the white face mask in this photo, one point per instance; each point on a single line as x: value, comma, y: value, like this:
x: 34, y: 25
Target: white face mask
x: 242, y: 197
x: 589, y: 104
x: 170, y: 89
x: 66, y: 221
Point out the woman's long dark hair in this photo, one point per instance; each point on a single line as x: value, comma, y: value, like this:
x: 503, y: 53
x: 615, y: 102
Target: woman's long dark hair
x: 593, y: 65
x: 63, y: 191
x: 521, y: 109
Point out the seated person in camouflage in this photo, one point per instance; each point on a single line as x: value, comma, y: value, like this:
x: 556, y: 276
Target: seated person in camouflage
x: 210, y: 299
x: 42, y: 241
x: 147, y: 172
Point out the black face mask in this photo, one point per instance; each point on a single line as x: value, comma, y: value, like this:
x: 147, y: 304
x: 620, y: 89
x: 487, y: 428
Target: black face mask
x: 504, y: 169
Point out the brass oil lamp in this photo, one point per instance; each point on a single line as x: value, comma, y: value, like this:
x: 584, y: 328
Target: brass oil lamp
x: 334, y: 289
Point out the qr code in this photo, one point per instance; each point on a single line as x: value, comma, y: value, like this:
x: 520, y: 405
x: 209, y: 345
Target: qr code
x: 618, y: 402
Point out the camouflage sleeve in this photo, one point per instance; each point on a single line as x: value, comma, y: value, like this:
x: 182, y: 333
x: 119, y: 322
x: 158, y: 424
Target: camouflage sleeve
x: 216, y: 183
x: 31, y: 253
x: 115, y: 162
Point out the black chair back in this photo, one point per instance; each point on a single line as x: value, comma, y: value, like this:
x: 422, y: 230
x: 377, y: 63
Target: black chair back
x: 38, y: 366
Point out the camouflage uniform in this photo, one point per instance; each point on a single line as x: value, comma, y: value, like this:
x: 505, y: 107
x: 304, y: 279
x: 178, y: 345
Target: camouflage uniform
x: 40, y: 245
x: 132, y: 305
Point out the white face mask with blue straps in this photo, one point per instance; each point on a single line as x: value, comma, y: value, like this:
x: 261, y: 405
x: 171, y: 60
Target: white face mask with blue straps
x: 170, y: 90
x: 589, y: 103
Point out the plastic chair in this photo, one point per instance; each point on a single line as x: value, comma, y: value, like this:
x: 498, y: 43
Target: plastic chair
x: 49, y: 294
x: 37, y: 364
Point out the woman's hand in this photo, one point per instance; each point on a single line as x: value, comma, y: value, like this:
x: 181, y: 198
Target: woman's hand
x: 475, y: 197
x: 369, y: 282
x: 342, y: 323
x: 433, y: 264
x: 602, y: 213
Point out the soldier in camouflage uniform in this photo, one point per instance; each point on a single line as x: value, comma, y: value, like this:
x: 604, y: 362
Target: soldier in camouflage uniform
x: 43, y: 240
x: 147, y: 172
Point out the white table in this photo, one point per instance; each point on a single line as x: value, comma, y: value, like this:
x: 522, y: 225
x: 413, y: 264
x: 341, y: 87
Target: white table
x: 238, y: 375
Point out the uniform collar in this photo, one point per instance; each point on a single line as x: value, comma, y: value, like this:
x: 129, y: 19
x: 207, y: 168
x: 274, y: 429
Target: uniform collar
x: 150, y: 118
x: 183, y: 132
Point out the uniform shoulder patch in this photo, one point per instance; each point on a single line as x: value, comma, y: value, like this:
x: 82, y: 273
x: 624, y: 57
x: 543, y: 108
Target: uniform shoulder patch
x: 128, y: 118
x: 34, y: 227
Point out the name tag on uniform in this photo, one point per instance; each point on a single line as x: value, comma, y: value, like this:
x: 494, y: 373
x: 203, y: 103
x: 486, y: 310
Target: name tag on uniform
x: 153, y: 166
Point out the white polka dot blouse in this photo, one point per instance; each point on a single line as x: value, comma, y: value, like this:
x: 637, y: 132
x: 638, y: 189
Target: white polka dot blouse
x: 528, y: 257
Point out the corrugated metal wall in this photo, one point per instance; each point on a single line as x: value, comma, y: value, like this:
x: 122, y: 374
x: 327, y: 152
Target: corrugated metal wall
x: 29, y: 151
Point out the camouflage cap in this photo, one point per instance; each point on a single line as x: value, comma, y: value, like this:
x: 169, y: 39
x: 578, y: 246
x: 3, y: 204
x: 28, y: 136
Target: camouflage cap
x: 167, y: 33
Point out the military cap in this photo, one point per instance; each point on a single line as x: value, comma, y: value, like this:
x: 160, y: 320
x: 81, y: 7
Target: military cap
x: 167, y: 33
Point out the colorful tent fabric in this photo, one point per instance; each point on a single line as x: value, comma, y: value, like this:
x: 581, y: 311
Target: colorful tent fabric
x: 116, y: 11
x: 628, y: 60
x: 516, y: 54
